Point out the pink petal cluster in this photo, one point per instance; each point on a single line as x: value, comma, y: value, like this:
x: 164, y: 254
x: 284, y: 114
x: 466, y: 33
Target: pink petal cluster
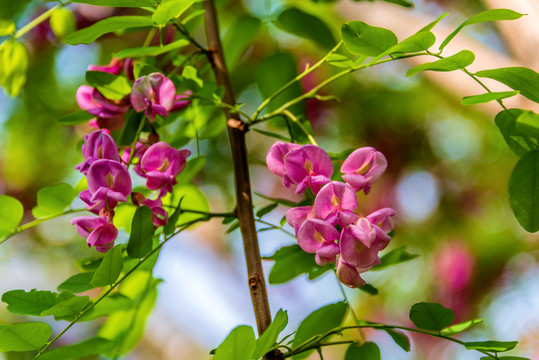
x: 332, y: 228
x: 109, y: 113
x: 154, y: 94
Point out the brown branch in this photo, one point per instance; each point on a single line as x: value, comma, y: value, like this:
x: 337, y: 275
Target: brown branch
x: 244, y: 206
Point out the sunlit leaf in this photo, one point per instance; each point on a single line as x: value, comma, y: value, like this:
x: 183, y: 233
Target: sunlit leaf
x: 458, y: 328
x: 432, y: 24
x: 451, y: 63
x: 305, y: 25
x: 32, y: 302
x: 417, y: 42
x: 118, y: 3
x: 78, y: 283
x: 83, y: 349
x: 24, y: 336
x: 67, y: 307
x: 14, y: 63
x: 109, y: 305
x: 490, y: 345
x: 339, y: 60
x: 290, y: 261
x: 169, y: 9
x: 7, y: 27
x: 484, y: 98
x: 53, y: 200
x: 269, y: 337
x: 238, y: 345
x: 517, y: 78
x: 524, y: 191
x: 431, y: 316
x: 363, y: 39
x: 11, y: 212
x: 111, y: 86
x: 520, y: 143
x: 150, y: 50
x: 105, y: 26
x: 528, y: 123
x: 110, y: 268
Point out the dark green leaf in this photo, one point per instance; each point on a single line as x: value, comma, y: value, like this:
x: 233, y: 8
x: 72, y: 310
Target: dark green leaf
x: 524, y: 191
x: 170, y: 9
x: 431, y: 316
x: 78, y: 283
x: 318, y: 271
x: 485, y: 16
x: 483, y: 98
x: 269, y: 337
x: 108, y: 25
x: 305, y: 25
x: 239, y: 38
x: 497, y: 346
x: 80, y: 117
x: 238, y: 345
x: 70, y: 306
x: 117, y: 3
x: 11, y: 212
x: 140, y: 239
x: 83, y: 349
x: 150, y: 50
x: 14, y: 62
x: 89, y: 263
x: 369, y: 289
x: 110, y: 268
x: 266, y: 209
x: 418, y: 42
x: 111, y: 86
x: 517, y: 78
x: 528, y: 123
x: 290, y: 261
x: 458, y: 328
x: 432, y: 24
x: 108, y: 306
x: 451, y: 63
x: 363, y: 39
x: 24, y: 336
x: 400, y: 339
x: 394, y: 257
x: 517, y: 141
x: 52, y: 200
x: 173, y: 219
x: 319, y: 322
x: 365, y: 351
x: 29, y: 303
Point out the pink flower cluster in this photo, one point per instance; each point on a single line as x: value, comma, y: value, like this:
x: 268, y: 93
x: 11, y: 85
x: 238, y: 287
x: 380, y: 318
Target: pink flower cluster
x: 332, y: 228
x: 154, y: 94
x: 109, y: 183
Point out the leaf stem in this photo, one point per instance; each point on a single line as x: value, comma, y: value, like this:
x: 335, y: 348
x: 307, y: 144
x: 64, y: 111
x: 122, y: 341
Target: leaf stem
x: 275, y: 227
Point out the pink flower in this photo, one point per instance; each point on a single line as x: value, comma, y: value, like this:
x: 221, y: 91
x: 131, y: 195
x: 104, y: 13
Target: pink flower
x: 99, y: 232
x: 159, y: 215
x: 275, y: 159
x: 383, y: 218
x: 297, y: 215
x: 108, y: 183
x: 182, y: 101
x: 336, y: 203
x: 97, y: 145
x: 317, y: 236
x: 110, y: 114
x: 140, y: 149
x: 363, y: 168
x: 161, y: 164
x: 155, y: 94
x: 348, y: 274
x: 115, y: 67
x: 308, y: 166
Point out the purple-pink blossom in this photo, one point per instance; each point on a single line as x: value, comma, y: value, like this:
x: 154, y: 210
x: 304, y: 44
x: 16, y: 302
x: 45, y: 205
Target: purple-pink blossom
x: 308, y: 166
x: 348, y: 274
x: 160, y: 164
x: 115, y: 67
x: 297, y: 215
x: 108, y: 183
x: 154, y: 94
x: 97, y: 145
x: 275, y: 159
x: 319, y: 237
x: 336, y: 203
x: 363, y: 167
x: 98, y: 231
x: 109, y: 114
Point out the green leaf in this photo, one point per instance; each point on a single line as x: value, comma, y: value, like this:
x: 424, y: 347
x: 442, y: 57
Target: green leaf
x: 485, y: 16
x: 484, y: 98
x: 319, y: 322
x: 14, y: 62
x: 400, y: 339
x: 318, y: 271
x: 365, y: 351
x: 433, y: 24
x: 520, y: 143
x: 505, y: 358
x: 239, y: 37
x: 24, y: 336
x: 105, y: 26
x: 170, y: 9
x: 305, y: 25
x: 528, y: 123
x: 404, y: 3
x: 110, y: 268
x: 29, y: 303
x: 266, y: 210
x: 7, y: 27
x: 140, y: 239
x: 363, y: 39
x: 11, y: 212
x: 290, y: 261
x: 517, y: 78
x: 83, y: 349
x: 455, y: 62
x: 62, y: 22
x: 142, y: 68
x: 150, y: 50
x: 80, y: 117
x: 192, y: 199
x: 117, y: 3
x: 111, y: 86
x: 108, y: 306
x: 339, y: 60
x: 394, y: 257
x: 458, y: 328
x: 269, y: 337
x: 369, y: 289
x: 78, y: 283
x: 497, y: 346
x: 52, y: 200
x: 192, y: 168
x: 238, y: 345
x: 431, y: 316
x: 190, y: 73
x: 418, y: 42
x: 524, y: 191
x: 70, y: 306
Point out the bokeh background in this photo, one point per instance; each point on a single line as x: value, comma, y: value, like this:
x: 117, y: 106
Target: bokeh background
x: 447, y: 178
